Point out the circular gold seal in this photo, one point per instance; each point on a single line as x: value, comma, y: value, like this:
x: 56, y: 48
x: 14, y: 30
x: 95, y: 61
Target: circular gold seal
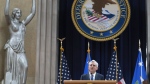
x: 100, y: 20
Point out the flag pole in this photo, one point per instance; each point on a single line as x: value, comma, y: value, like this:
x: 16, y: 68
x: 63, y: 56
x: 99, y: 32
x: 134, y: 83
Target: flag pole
x: 61, y: 50
x: 88, y: 48
x: 115, y: 49
x: 88, y: 51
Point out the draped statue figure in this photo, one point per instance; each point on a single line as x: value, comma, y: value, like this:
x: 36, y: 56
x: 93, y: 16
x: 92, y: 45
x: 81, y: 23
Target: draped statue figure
x: 16, y: 64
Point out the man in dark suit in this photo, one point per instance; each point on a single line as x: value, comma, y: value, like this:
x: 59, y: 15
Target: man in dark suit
x: 92, y: 75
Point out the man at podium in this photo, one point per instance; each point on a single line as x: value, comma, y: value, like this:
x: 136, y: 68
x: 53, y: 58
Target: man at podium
x: 92, y: 75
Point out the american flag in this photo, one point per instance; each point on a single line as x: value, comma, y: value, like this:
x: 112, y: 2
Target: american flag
x: 104, y: 17
x: 63, y: 72
x: 111, y: 73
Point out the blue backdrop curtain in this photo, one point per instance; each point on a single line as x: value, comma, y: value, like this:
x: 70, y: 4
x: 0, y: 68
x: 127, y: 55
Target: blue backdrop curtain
x: 75, y: 44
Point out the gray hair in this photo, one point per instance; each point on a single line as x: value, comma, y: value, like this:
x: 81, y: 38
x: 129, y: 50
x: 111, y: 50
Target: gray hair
x: 94, y: 62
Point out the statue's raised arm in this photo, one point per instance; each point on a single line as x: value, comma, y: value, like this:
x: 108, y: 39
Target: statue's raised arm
x: 6, y: 12
x: 31, y: 15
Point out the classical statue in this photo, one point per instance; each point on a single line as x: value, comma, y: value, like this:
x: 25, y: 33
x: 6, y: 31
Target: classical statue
x: 16, y: 64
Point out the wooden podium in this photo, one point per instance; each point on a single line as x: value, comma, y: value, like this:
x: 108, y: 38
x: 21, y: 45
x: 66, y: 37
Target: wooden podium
x: 89, y: 82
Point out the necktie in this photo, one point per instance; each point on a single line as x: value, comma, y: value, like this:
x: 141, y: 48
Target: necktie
x: 91, y: 76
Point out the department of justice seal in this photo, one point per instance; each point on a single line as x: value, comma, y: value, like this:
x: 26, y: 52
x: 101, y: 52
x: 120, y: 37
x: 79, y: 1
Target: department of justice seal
x: 100, y: 20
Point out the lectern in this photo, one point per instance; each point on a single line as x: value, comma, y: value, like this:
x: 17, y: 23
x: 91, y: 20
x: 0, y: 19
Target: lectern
x: 89, y: 82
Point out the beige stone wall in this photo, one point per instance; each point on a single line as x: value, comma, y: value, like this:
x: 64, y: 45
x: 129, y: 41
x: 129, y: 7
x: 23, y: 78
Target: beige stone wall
x: 30, y: 37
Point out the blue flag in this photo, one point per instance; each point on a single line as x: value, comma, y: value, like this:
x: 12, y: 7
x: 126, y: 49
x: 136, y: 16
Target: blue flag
x: 63, y: 72
x: 139, y: 72
x: 88, y: 59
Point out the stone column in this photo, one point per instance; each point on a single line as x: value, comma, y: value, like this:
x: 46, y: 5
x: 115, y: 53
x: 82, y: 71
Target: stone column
x: 148, y: 39
x: 47, y: 51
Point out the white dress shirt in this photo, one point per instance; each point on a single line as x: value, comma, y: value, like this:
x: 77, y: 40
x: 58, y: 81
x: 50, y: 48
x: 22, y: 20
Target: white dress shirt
x: 93, y: 75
